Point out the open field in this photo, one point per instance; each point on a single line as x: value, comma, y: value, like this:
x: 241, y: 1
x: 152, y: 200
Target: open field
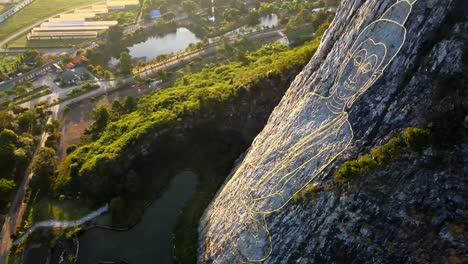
x: 36, y: 12
x: 46, y: 209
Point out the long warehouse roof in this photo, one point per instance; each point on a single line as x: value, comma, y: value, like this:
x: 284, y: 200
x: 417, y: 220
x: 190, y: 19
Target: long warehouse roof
x: 122, y: 3
x: 79, y: 23
x: 89, y: 10
x: 45, y: 29
x: 70, y: 33
x: 103, y: 6
x: 73, y: 15
x: 57, y: 19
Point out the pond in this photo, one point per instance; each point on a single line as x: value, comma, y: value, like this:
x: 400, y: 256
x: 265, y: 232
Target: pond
x: 36, y: 254
x: 150, y: 241
x: 267, y: 21
x: 170, y: 43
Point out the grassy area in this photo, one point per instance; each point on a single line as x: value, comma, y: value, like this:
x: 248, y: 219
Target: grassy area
x: 12, y: 259
x: 37, y: 11
x: 8, y: 61
x: 22, y: 42
x: 124, y: 17
x: 47, y: 209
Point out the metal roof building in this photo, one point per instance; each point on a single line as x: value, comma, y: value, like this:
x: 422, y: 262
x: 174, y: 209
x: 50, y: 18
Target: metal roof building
x: 75, y: 25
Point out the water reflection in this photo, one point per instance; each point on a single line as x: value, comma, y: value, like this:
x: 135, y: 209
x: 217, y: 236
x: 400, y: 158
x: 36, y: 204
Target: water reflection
x: 150, y: 241
x: 170, y: 43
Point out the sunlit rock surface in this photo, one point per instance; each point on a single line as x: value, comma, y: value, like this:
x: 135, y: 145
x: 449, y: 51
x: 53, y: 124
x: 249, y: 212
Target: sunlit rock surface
x: 410, y: 211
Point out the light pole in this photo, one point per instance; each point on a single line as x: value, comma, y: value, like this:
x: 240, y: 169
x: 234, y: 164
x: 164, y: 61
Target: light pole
x: 213, y: 17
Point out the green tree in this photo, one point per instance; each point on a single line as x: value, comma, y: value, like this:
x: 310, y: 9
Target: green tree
x: 6, y: 187
x: 8, y: 139
x: 115, y: 33
x: 66, y: 58
x: 125, y: 63
x: 189, y: 6
x: 416, y: 138
x: 169, y: 16
x: 53, y: 127
x: 6, y: 120
x: 21, y: 157
x: 162, y: 74
x: 117, y: 109
x: 100, y: 115
x: 52, y: 141
x: 8, y: 136
x: 114, y: 39
x: 71, y: 148
x: 129, y: 104
x: 26, y: 121
x: 43, y: 168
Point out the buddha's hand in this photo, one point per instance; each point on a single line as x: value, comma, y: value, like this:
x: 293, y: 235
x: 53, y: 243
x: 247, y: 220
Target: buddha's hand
x: 273, y: 186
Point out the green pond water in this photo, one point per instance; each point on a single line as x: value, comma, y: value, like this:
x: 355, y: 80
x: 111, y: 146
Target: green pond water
x: 151, y: 240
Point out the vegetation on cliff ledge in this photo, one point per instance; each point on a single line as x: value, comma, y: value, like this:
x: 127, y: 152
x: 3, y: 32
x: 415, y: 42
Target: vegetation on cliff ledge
x: 89, y: 167
x: 415, y: 139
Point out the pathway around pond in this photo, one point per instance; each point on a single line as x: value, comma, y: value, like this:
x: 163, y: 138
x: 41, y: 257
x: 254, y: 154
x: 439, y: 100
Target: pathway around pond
x: 62, y: 224
x: 151, y: 240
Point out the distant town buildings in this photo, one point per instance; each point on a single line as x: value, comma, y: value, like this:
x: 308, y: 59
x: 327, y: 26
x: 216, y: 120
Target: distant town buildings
x: 78, y: 24
x: 71, y: 77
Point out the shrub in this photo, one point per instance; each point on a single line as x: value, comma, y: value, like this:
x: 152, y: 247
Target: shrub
x: 74, y: 91
x: 73, y: 233
x: 416, y: 138
x: 307, y: 192
x: 381, y: 155
x: 388, y: 152
x: 71, y: 148
x: 346, y: 172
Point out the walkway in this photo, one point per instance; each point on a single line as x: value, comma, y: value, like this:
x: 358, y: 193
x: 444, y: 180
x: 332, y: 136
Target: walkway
x: 62, y: 224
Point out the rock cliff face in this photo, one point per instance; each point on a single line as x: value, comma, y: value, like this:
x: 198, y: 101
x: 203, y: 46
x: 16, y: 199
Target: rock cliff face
x: 357, y: 91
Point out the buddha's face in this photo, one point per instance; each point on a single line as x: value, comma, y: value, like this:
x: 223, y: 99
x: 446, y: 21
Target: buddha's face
x: 360, y: 69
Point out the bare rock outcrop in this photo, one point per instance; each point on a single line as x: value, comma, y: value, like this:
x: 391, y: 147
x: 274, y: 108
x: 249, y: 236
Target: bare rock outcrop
x: 369, y: 79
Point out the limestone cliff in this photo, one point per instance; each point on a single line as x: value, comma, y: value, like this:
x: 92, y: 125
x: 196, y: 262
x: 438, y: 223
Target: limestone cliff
x: 383, y: 65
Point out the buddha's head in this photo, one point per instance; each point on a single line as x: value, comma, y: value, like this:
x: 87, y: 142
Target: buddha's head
x: 361, y: 68
x: 374, y: 49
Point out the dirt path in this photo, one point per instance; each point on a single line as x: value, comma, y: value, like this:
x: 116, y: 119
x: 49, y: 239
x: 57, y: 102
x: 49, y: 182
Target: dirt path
x: 18, y: 206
